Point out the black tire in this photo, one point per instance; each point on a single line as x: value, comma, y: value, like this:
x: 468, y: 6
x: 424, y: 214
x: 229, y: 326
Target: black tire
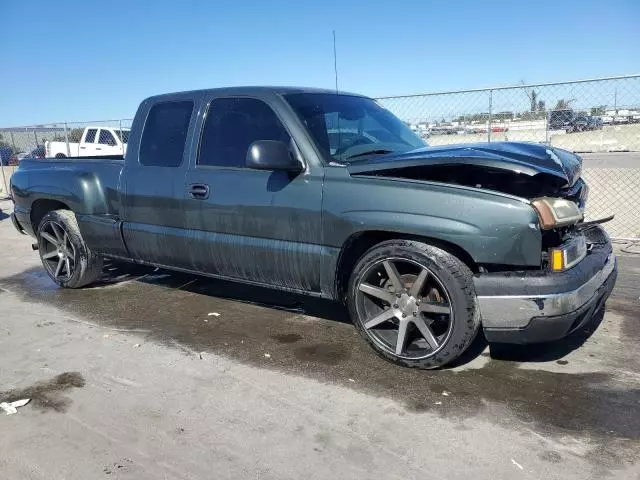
x: 61, y: 155
x: 449, y: 274
x: 84, y: 265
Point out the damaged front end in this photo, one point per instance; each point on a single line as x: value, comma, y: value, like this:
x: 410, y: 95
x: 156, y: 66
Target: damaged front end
x: 548, y: 178
x: 577, y: 268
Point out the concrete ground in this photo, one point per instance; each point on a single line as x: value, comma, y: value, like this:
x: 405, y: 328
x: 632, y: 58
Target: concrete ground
x: 610, y: 160
x: 612, y: 138
x: 135, y: 379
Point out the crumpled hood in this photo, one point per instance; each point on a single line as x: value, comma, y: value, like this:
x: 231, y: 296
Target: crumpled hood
x: 526, y: 158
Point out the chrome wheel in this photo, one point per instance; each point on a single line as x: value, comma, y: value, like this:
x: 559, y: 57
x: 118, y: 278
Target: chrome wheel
x: 57, y: 252
x: 404, y: 308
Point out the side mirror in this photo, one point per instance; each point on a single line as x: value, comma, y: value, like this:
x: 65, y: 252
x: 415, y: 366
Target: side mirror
x: 272, y: 155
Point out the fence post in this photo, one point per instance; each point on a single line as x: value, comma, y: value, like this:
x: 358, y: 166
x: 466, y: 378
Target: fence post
x: 490, y: 114
x: 66, y: 139
x: 4, y: 179
x: 546, y: 136
x: 121, y: 136
x: 13, y: 142
x: 35, y: 135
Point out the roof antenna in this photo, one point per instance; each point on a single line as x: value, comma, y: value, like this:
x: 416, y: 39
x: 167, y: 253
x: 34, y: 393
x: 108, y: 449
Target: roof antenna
x: 335, y: 60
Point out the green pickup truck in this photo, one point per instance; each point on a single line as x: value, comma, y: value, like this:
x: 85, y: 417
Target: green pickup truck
x: 328, y: 194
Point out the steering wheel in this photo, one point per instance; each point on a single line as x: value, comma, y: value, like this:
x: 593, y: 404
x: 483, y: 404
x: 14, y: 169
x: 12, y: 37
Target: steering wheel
x: 358, y: 141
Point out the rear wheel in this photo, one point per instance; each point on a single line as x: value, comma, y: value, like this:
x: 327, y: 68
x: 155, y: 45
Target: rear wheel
x: 414, y: 303
x: 65, y: 256
x: 61, y: 155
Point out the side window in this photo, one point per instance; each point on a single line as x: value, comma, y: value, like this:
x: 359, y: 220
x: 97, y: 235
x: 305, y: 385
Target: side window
x: 232, y: 125
x: 106, y: 138
x: 91, y: 135
x: 165, y: 134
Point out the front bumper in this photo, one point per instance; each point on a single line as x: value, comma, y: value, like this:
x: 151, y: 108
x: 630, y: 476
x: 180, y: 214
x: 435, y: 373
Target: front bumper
x: 531, y: 307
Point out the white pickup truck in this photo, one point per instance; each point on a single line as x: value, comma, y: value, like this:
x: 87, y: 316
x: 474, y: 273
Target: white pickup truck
x: 95, y: 141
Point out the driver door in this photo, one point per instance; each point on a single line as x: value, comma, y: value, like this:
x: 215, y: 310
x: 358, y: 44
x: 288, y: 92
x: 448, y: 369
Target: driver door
x: 255, y: 225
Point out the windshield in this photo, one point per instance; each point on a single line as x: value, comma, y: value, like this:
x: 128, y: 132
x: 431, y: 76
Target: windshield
x: 350, y: 128
x: 123, y: 135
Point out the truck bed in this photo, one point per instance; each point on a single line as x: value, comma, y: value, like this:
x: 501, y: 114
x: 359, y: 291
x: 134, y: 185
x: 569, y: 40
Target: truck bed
x: 90, y: 186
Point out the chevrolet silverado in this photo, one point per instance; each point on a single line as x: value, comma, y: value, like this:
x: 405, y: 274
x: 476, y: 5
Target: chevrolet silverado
x: 329, y: 194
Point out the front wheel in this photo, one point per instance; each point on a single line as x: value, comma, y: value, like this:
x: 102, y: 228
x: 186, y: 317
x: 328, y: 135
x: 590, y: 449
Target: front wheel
x: 414, y: 303
x: 65, y: 256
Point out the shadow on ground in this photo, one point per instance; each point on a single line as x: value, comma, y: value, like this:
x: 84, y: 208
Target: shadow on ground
x: 549, y: 351
x: 314, y: 338
x: 329, y: 310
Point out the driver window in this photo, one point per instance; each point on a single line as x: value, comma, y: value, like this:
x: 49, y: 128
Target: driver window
x: 232, y: 125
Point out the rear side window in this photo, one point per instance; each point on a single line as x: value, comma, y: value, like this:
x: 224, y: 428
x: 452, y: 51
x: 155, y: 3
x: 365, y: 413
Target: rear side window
x: 232, y: 125
x: 106, y: 138
x: 165, y: 134
x: 91, y: 135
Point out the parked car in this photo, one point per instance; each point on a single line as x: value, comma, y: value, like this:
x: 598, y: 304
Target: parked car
x: 594, y: 123
x: 580, y: 123
x: 424, y: 245
x: 570, y: 121
x: 620, y: 119
x: 93, y: 143
x: 561, y: 119
x: 38, y: 152
x: 16, y: 157
x: 5, y: 155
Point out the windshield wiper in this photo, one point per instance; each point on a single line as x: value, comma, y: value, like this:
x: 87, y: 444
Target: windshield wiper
x: 380, y: 151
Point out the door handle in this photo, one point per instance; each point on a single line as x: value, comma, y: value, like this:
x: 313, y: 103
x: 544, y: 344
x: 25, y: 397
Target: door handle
x: 83, y: 148
x: 98, y: 148
x: 199, y: 191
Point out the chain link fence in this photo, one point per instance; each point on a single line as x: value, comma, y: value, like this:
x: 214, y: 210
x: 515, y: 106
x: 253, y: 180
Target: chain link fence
x: 598, y: 116
x: 63, y: 139
x: 60, y: 140
x: 601, y: 115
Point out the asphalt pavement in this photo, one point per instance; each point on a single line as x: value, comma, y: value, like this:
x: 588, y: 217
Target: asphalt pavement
x: 153, y: 374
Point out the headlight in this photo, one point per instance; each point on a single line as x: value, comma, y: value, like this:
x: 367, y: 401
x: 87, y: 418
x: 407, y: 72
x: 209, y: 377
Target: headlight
x: 556, y: 212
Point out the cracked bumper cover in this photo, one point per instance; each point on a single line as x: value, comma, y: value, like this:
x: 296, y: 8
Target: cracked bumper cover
x: 536, y: 307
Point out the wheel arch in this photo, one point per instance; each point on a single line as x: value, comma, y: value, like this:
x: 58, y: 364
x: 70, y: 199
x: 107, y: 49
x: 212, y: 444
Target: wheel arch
x: 358, y: 243
x: 42, y: 206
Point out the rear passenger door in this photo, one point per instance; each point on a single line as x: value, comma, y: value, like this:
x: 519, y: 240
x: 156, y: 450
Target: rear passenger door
x: 107, y: 144
x: 254, y: 225
x: 154, y: 192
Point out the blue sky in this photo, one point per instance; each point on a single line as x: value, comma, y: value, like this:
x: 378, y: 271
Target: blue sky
x: 84, y: 60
